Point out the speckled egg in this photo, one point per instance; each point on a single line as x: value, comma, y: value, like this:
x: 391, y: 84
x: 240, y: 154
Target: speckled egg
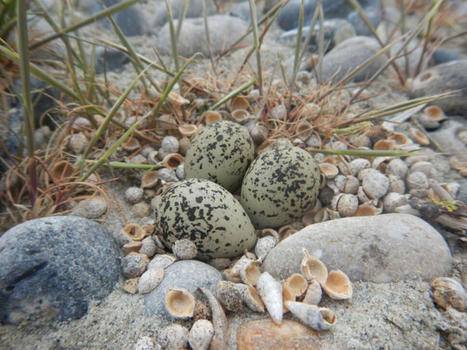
x: 208, y: 215
x: 221, y: 152
x: 280, y: 186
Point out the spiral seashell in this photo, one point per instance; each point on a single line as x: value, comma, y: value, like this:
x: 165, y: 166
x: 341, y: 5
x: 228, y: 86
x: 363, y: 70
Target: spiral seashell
x: 270, y: 291
x: 200, y: 335
x: 172, y: 160
x: 179, y: 303
x: 135, y: 231
x: 211, y: 117
x: 313, y: 268
x: 448, y: 292
x: 264, y: 245
x: 250, y: 272
x: 150, y: 179
x: 317, y: 318
x: 338, y: 286
x: 219, y: 322
x: 230, y: 295
x: 252, y: 299
x: 313, y: 293
x: 188, y: 130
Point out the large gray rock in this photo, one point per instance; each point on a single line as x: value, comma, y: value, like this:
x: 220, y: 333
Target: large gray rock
x: 195, y: 9
x: 444, y: 77
x: 224, y: 31
x: 383, y: 248
x: 348, y: 55
x: 189, y: 274
x: 52, y: 267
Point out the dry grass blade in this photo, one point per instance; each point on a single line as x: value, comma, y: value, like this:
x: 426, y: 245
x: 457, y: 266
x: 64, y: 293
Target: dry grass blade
x: 362, y: 153
x: 257, y: 45
x: 234, y: 93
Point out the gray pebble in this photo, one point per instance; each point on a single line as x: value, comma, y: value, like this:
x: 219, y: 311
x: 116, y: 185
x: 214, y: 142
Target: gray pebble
x: 134, y: 264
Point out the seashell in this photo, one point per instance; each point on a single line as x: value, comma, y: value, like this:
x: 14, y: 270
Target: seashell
x: 269, y: 232
x: 230, y: 295
x: 252, y: 299
x: 211, y: 117
x: 393, y: 200
x: 399, y: 139
x: 135, y: 231
x: 184, y: 144
x: 347, y: 205
x: 153, y: 157
x: 136, y: 159
x: 172, y: 160
x: 427, y: 168
x: 200, y: 335
x: 448, y: 292
x: 304, y: 129
x: 317, y: 318
x: 131, y: 144
x: 179, y: 303
x: 81, y: 124
x: 397, y: 167
x: 240, y: 116
x: 358, y: 165
x: 313, y: 268
x: 150, y: 179
x: 351, y: 184
x: 173, y: 337
x: 150, y: 279
x: 383, y: 145
x: 230, y: 276
x: 220, y: 263
x: 419, y: 137
x: 287, y: 295
x: 258, y: 133
x: 338, y: 286
x: 296, y: 285
x: 201, y: 311
x: 368, y: 209
x: 188, y: 130
x: 250, y: 272
x: 264, y: 246
x: 374, y: 184
x: 148, y: 247
x: 161, y: 261
x: 132, y: 246
x: 239, y: 102
x: 417, y: 180
x: 184, y: 249
x: 313, y: 293
x: 286, y: 231
x: 219, y: 322
x: 329, y: 170
x: 62, y: 169
x: 244, y: 260
x: 432, y: 117
x: 176, y: 99
x: 270, y: 291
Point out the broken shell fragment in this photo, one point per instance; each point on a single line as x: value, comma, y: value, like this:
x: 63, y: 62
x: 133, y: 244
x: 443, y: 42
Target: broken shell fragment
x: 338, y: 286
x: 240, y: 116
x: 219, y: 322
x: 313, y: 293
x: 150, y: 179
x: 172, y: 160
x: 239, y: 102
x: 131, y: 144
x: 270, y: 291
x: 150, y: 279
x: 252, y: 299
x: 250, y: 272
x: 329, y: 170
x: 135, y: 231
x: 180, y: 303
x: 313, y: 268
x: 62, y: 169
x: 230, y: 295
x: 188, y: 130
x: 230, y: 276
x: 200, y: 335
x: 239, y: 265
x: 297, y: 284
x: 318, y: 318
x: 448, y: 292
x: 211, y: 117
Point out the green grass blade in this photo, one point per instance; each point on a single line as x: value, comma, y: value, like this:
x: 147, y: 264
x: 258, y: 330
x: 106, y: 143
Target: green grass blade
x: 362, y: 153
x: 234, y: 93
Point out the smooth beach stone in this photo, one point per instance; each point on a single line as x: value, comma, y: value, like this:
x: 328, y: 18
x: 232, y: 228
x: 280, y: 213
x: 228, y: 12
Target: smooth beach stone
x: 383, y: 248
x: 288, y: 16
x: 188, y: 274
x: 348, y: 55
x: 373, y: 15
x: 110, y: 60
x: 195, y: 9
x: 52, y: 267
x: 441, y: 78
x: 224, y: 31
x: 447, y: 137
x: 441, y: 55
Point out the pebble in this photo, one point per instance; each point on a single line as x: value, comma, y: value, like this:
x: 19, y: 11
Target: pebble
x: 398, y: 168
x: 417, y: 180
x: 184, y: 249
x: 53, y: 266
x: 441, y: 55
x: 78, y: 143
x: 91, y: 209
x: 110, y: 60
x: 161, y: 261
x: 375, y: 184
x: 141, y: 210
x: 173, y: 337
x: 134, y: 264
x: 188, y: 274
x: 288, y: 16
x: 170, y: 144
x: 383, y: 248
x: 148, y: 247
x: 201, y: 334
x: 167, y: 175
x: 373, y: 15
x: 133, y: 246
x: 441, y: 78
x: 195, y: 9
x: 134, y: 195
x: 149, y: 280
x: 223, y: 32
x: 131, y: 285
x: 266, y: 335
x: 348, y: 55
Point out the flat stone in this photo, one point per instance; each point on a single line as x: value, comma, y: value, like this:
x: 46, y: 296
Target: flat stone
x: 265, y: 335
x: 224, y: 31
x: 52, y: 267
x: 441, y: 78
x: 383, y: 248
x: 188, y: 274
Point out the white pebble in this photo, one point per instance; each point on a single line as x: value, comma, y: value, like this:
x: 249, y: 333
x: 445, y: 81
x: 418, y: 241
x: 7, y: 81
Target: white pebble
x: 201, y: 334
x: 150, y: 280
x: 134, y: 195
x: 358, y: 164
x: 397, y: 167
x: 78, y: 143
x: 375, y: 184
x: 417, y: 180
x: 170, y: 144
x: 180, y: 172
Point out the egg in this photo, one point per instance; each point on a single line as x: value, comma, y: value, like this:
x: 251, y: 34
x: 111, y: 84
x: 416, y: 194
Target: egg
x: 221, y: 152
x: 206, y: 214
x: 280, y: 186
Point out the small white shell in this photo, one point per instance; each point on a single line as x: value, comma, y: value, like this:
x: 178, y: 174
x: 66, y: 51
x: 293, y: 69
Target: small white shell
x: 297, y: 284
x: 180, y: 303
x: 201, y: 334
x: 393, y: 200
x: 161, y: 261
x: 219, y: 321
x: 134, y: 195
x: 239, y: 264
x: 313, y: 268
x: 252, y: 299
x: 351, y: 184
x: 317, y: 318
x: 150, y: 279
x: 338, y: 286
x: 131, y: 144
x: 313, y: 293
x: 359, y: 164
x: 148, y: 247
x: 375, y: 184
x: 172, y: 160
x: 135, y: 232
x: 211, y: 117
x: 397, y: 167
x: 270, y: 291
x: 347, y: 205
x: 184, y: 249
x: 150, y: 179
x: 329, y: 170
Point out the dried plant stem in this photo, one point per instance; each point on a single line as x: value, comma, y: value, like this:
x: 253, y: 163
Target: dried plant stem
x: 234, y: 93
x: 257, y: 45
